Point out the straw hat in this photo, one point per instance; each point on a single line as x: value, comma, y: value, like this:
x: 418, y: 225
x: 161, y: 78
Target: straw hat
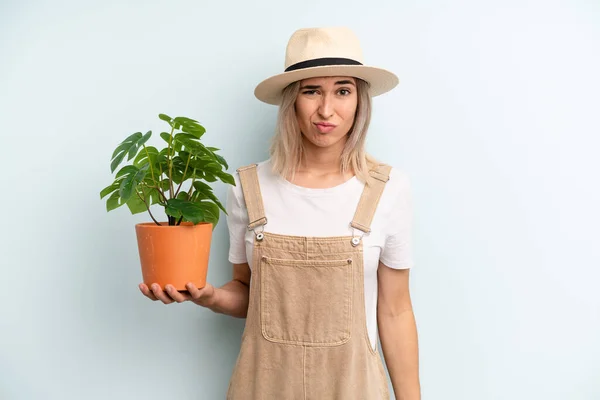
x: 315, y: 52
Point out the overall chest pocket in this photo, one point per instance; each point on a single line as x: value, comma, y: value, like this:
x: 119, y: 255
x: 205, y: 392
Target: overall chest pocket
x: 306, y: 302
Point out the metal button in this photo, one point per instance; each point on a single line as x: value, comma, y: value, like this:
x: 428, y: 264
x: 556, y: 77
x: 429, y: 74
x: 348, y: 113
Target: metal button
x: 355, y: 241
x: 260, y: 236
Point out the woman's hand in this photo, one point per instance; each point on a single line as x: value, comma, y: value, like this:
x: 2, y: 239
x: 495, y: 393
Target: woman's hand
x: 203, y: 297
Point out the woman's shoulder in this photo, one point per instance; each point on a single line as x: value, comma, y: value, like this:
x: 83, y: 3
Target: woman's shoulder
x: 399, y: 179
x: 263, y: 171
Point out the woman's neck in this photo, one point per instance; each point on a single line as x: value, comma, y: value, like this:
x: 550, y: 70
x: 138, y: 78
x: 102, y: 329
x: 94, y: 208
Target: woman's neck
x: 321, y: 160
x: 320, y: 167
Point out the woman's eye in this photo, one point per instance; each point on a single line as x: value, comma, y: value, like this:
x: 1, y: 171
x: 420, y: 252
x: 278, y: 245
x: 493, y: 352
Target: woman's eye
x: 310, y: 92
x: 344, y: 92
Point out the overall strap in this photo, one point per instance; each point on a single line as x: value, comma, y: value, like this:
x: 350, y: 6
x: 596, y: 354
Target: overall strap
x: 252, y: 196
x: 370, y: 198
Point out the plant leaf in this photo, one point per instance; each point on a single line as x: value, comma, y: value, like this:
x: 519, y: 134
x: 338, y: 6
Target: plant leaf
x: 166, y: 137
x: 209, y: 177
x: 123, y: 149
x: 149, y: 155
x: 131, y: 181
x: 165, y: 117
x: 190, y: 211
x: 136, y: 205
x: 194, y: 129
x: 144, y: 138
x: 211, y: 212
x: 109, y: 189
x: 226, y: 178
x: 126, y: 170
x: 221, y: 160
x: 201, y: 189
x: 114, y: 201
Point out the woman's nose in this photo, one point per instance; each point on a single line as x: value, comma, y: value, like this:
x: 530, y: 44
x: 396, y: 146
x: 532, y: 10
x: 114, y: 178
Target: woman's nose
x: 326, y: 107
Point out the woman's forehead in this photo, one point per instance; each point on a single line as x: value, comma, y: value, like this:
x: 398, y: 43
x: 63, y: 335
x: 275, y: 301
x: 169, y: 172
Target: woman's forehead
x: 322, y: 80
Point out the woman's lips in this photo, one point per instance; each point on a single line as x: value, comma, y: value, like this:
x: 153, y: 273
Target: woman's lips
x: 325, y: 128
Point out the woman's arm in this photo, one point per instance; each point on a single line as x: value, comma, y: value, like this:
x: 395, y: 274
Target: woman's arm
x: 398, y: 332
x: 232, y: 297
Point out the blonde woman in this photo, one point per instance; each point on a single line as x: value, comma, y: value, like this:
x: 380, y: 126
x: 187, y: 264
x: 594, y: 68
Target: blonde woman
x: 320, y: 240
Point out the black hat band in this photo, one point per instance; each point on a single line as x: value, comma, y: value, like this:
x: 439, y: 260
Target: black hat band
x: 322, y: 62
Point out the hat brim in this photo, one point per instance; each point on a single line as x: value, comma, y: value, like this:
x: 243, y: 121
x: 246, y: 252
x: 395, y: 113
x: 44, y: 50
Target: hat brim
x: 380, y: 80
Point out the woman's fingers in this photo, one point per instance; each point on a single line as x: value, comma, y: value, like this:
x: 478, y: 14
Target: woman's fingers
x: 200, y: 296
x: 146, y: 292
x: 160, y: 294
x: 170, y: 294
x: 176, y: 295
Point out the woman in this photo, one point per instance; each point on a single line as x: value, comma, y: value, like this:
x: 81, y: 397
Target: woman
x: 320, y: 240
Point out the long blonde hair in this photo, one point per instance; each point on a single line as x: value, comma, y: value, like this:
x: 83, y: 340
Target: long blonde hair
x: 287, y: 147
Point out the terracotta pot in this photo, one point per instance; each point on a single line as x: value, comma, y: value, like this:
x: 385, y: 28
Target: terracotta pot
x: 174, y: 255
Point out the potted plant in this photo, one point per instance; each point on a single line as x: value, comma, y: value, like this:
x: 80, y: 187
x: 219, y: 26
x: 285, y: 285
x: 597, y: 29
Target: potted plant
x: 175, y: 251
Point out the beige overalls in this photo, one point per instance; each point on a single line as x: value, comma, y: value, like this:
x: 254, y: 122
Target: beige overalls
x: 306, y: 336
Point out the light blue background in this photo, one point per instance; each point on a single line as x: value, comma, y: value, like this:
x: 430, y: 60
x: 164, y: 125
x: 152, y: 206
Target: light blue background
x: 496, y: 120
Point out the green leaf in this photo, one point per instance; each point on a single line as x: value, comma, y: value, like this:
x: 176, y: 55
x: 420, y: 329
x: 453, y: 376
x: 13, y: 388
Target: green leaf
x: 194, y: 129
x: 192, y: 144
x: 123, y: 149
x: 135, y: 203
x: 134, y: 149
x: 114, y: 201
x: 164, y: 184
x: 211, y: 212
x: 190, y: 211
x: 166, y: 137
x: 162, y: 158
x: 109, y: 189
x: 221, y: 160
x: 177, y: 146
x: 126, y: 170
x: 181, y: 122
x: 226, y: 178
x: 212, y: 167
x: 147, y: 155
x: 144, y: 138
x: 209, y: 177
x: 131, y: 181
x: 213, y: 149
x: 201, y: 188
x: 165, y: 117
x: 184, y: 120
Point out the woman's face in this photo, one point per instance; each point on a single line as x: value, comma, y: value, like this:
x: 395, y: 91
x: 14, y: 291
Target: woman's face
x: 325, y: 109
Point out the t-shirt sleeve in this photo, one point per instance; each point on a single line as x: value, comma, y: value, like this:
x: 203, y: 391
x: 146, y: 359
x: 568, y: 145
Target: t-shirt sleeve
x: 398, y: 249
x: 237, y: 223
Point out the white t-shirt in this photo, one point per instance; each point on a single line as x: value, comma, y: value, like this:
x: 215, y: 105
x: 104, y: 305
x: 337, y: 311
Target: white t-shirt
x: 328, y: 212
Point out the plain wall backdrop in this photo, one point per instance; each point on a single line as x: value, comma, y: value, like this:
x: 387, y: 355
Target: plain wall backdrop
x: 496, y: 120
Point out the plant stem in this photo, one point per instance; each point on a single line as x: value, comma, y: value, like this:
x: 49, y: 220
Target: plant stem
x: 148, y: 208
x: 151, y: 168
x: 170, y: 162
x: 192, y: 185
x: 158, y: 190
x: 184, y: 172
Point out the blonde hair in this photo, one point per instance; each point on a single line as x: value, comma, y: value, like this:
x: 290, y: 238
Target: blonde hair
x: 287, y: 148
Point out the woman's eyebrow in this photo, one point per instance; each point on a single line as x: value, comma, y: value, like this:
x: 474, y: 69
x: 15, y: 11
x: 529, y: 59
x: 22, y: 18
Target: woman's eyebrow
x: 312, y: 87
